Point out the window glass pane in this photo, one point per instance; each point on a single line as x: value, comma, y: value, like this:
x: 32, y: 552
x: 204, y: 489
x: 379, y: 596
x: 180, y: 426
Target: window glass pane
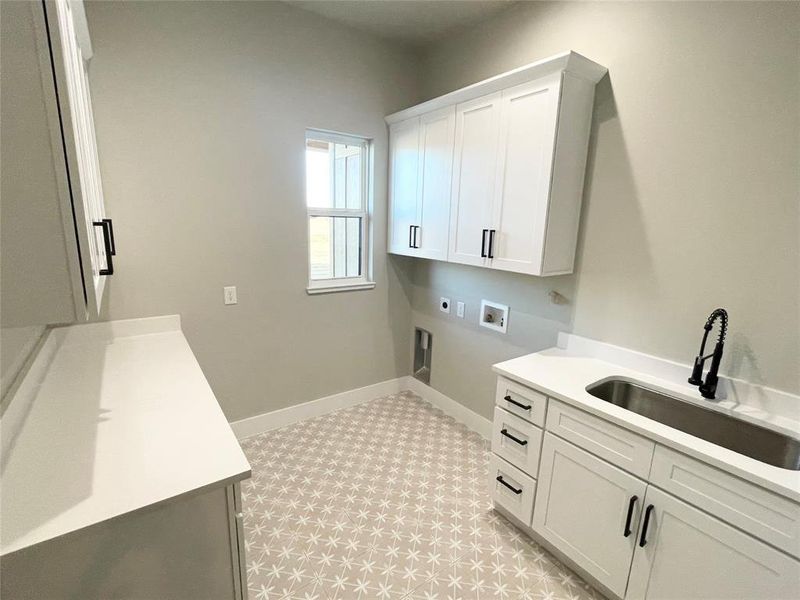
x: 335, y: 247
x: 333, y: 175
x: 318, y: 176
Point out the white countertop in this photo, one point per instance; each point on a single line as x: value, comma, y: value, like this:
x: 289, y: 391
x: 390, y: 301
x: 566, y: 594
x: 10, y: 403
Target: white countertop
x: 111, y: 418
x: 565, y: 372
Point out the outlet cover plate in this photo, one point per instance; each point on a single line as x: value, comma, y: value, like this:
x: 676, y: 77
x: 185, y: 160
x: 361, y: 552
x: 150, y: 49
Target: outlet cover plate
x: 444, y: 305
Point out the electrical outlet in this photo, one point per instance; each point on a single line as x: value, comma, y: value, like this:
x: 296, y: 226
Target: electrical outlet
x: 460, y: 310
x: 444, y: 305
x: 229, y: 293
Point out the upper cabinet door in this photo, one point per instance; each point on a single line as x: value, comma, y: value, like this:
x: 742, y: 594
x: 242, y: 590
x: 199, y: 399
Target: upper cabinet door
x: 528, y: 117
x: 585, y: 507
x: 71, y: 50
x: 404, y: 166
x: 437, y: 131
x: 690, y: 554
x: 474, y: 162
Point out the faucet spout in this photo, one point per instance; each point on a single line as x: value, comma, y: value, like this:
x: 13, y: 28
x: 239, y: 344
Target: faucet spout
x: 708, y: 388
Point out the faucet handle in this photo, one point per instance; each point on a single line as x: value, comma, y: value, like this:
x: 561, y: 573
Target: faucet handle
x: 697, y: 371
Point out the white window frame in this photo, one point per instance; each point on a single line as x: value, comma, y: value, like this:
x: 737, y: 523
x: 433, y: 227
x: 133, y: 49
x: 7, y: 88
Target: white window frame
x: 364, y: 281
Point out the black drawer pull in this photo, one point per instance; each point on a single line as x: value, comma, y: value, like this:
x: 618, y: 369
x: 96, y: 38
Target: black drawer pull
x: 105, y: 223
x: 509, y: 486
x: 631, y: 504
x: 511, y: 437
x: 643, y: 538
x: 515, y: 403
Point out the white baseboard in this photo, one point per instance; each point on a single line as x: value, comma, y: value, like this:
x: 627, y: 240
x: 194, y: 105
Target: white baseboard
x: 314, y: 408
x: 447, y: 405
x: 322, y: 406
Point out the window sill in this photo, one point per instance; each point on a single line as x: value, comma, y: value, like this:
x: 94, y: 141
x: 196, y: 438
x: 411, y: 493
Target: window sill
x: 347, y: 287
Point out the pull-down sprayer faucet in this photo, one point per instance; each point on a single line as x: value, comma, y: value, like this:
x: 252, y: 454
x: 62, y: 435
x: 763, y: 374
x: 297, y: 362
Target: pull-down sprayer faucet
x: 709, y: 388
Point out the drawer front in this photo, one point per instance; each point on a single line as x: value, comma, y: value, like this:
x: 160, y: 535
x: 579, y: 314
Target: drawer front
x: 618, y: 446
x: 511, y: 489
x: 521, y: 401
x: 516, y: 440
x: 766, y: 515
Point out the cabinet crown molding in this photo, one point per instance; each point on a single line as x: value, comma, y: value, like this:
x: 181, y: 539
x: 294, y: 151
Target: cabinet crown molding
x: 568, y: 61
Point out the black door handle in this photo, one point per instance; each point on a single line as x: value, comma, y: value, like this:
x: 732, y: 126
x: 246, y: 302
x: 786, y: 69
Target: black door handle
x: 109, y: 270
x: 416, y: 232
x: 509, y: 486
x: 410, y: 234
x: 491, y: 243
x: 111, y: 233
x: 483, y: 243
x: 643, y: 537
x: 631, y: 504
x: 511, y: 437
x: 515, y: 403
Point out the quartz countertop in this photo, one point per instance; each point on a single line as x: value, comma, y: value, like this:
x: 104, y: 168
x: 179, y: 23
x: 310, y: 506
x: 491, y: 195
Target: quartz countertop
x: 565, y: 372
x: 110, y: 419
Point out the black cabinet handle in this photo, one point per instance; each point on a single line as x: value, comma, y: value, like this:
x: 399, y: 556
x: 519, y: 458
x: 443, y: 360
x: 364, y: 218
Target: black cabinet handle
x: 631, y: 504
x: 416, y: 232
x: 483, y: 243
x: 109, y: 270
x: 643, y: 537
x: 410, y: 234
x: 111, y: 233
x: 511, y: 437
x: 515, y: 403
x: 509, y: 486
x: 491, y: 243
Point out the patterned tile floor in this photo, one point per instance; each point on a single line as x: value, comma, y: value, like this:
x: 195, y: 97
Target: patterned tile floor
x: 386, y: 500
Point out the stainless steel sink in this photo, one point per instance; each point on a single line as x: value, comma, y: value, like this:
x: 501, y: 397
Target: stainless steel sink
x: 734, y: 434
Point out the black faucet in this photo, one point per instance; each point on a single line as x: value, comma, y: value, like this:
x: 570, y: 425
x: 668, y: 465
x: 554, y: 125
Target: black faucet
x: 709, y: 388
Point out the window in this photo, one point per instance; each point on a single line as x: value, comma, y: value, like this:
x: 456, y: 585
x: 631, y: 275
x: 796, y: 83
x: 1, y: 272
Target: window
x: 337, y: 182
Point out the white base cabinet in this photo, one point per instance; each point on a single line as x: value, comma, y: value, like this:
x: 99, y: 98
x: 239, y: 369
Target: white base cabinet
x: 507, y: 157
x: 589, y: 510
x: 690, y: 554
x: 598, y: 504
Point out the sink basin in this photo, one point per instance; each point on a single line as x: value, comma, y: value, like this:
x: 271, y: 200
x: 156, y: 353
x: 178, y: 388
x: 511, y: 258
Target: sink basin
x: 734, y: 434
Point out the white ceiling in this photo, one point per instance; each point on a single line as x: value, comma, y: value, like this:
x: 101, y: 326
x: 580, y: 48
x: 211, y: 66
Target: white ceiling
x: 410, y: 22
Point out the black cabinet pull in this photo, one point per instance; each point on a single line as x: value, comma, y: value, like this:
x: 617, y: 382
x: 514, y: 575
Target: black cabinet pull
x: 410, y: 234
x: 109, y: 270
x: 631, y: 504
x: 643, y: 537
x: 483, y: 243
x: 111, y: 233
x: 416, y: 232
x: 509, y: 486
x: 511, y: 437
x: 491, y: 243
x: 515, y: 403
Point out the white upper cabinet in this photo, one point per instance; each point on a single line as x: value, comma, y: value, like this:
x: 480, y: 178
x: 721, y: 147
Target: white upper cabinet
x: 436, y: 131
x: 473, y: 179
x: 403, y: 149
x: 421, y: 154
x: 519, y: 157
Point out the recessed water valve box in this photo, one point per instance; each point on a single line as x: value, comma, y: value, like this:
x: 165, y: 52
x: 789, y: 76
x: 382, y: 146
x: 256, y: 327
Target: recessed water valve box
x: 494, y: 316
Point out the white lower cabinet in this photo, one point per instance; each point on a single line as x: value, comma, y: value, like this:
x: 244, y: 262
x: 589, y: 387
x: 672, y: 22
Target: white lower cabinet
x: 711, y: 535
x: 588, y: 509
x: 690, y: 554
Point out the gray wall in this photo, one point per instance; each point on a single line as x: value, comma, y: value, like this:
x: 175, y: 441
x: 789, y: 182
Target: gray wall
x: 201, y: 109
x: 691, y: 199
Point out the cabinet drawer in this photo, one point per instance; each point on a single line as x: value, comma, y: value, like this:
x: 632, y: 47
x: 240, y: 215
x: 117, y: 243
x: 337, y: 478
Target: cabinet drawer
x: 517, y: 501
x: 618, y: 446
x: 766, y: 515
x: 516, y: 440
x: 521, y: 401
